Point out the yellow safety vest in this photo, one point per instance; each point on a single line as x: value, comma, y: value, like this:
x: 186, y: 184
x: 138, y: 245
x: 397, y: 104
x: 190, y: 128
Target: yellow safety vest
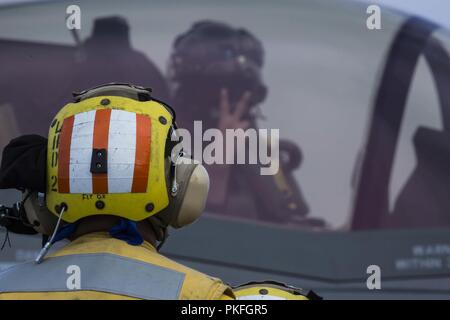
x: 97, y: 266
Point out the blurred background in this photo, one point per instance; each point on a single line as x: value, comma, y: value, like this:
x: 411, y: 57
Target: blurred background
x: 318, y: 74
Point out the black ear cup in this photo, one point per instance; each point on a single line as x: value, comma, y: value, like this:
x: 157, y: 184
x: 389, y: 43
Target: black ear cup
x: 24, y: 164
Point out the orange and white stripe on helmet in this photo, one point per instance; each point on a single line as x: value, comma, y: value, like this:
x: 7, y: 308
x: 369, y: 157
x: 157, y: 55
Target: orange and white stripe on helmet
x: 126, y: 137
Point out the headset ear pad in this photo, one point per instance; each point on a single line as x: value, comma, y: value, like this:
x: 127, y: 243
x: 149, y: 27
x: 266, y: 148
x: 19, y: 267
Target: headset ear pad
x: 190, y: 200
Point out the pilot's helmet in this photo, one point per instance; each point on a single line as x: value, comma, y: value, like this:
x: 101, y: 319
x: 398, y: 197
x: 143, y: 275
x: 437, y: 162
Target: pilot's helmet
x: 213, y: 55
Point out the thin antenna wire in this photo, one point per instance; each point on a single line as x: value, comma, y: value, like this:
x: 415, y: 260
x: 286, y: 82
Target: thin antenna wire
x: 49, y: 243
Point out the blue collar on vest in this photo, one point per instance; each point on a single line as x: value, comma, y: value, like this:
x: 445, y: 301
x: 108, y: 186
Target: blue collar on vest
x: 125, y: 230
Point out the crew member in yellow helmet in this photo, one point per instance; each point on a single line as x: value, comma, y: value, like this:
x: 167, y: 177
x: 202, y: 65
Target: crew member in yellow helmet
x: 272, y: 290
x: 115, y: 182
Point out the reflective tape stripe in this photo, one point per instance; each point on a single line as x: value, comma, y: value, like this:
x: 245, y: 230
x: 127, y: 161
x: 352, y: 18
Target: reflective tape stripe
x: 64, y: 155
x: 81, y: 153
x: 127, y: 138
x: 122, y: 149
x: 98, y: 272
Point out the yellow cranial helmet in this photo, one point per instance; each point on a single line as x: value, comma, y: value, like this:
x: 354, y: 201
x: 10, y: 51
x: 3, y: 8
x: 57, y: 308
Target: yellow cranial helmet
x: 271, y: 290
x: 107, y: 153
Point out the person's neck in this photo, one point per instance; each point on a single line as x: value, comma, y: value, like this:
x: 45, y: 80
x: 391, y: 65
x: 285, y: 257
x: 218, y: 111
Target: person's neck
x: 105, y: 223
